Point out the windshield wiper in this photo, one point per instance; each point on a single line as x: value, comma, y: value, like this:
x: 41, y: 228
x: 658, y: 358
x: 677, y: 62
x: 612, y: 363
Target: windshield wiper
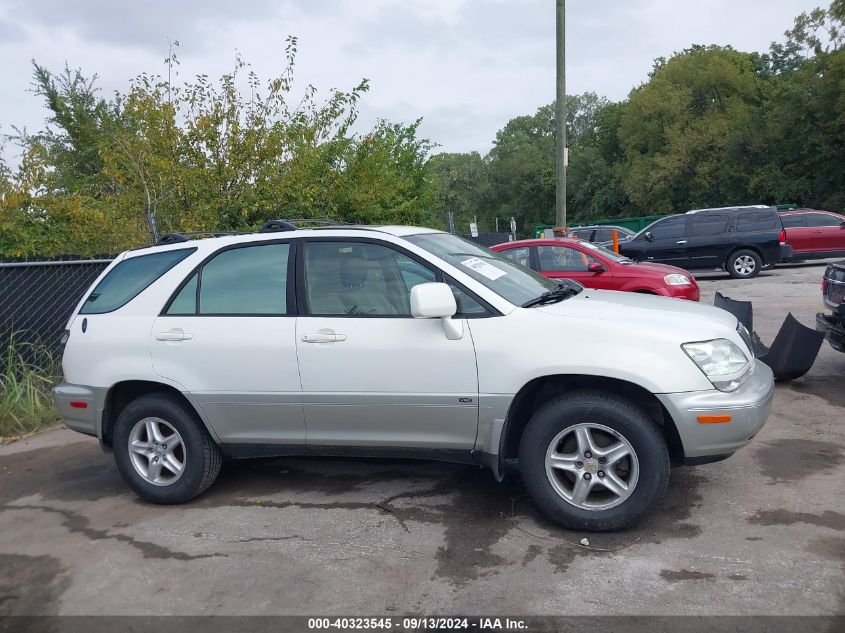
x: 565, y: 290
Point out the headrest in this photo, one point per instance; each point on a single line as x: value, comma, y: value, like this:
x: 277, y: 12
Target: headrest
x: 353, y: 271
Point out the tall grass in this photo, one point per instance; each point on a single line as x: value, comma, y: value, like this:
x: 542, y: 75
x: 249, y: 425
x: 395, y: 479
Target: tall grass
x: 28, y: 372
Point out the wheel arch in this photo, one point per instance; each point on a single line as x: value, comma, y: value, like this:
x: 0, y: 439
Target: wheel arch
x: 122, y: 393
x: 735, y: 249
x: 539, y: 390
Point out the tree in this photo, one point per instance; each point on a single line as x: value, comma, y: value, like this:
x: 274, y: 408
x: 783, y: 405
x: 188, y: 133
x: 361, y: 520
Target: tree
x: 73, y: 134
x: 460, y: 184
x: 204, y: 155
x: 687, y: 133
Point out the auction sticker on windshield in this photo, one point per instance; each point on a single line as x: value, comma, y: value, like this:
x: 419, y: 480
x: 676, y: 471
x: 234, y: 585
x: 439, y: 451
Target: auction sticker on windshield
x: 483, y: 268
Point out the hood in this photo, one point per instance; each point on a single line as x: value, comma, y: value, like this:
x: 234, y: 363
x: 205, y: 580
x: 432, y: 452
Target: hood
x: 648, y: 315
x: 656, y: 269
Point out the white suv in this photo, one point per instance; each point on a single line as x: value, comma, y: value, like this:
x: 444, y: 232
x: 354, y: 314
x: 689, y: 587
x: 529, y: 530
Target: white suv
x: 402, y: 341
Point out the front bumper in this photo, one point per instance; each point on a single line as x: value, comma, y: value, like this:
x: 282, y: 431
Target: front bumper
x: 748, y: 406
x: 69, y: 401
x: 833, y: 328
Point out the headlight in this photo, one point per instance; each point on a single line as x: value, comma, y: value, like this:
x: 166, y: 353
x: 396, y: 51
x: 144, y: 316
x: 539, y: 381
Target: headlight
x: 721, y: 361
x: 676, y: 279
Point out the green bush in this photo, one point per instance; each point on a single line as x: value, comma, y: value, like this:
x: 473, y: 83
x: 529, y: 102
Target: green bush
x: 28, y: 371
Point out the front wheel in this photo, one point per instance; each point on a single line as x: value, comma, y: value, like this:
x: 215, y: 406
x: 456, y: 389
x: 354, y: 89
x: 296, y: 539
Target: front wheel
x: 744, y: 264
x: 163, y: 451
x: 593, y: 461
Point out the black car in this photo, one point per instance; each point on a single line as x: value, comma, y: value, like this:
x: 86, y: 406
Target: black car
x: 601, y: 233
x: 833, y: 294
x: 741, y: 240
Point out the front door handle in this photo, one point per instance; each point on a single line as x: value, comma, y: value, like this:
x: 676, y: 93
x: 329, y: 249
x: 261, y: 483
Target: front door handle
x: 323, y: 337
x: 176, y: 334
x: 681, y: 242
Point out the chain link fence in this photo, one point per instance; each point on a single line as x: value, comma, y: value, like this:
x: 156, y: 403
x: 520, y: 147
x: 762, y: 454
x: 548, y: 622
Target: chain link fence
x: 490, y: 239
x: 37, y: 298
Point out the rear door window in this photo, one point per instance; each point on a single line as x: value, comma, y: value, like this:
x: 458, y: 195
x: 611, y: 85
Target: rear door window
x: 709, y: 224
x: 250, y: 280
x: 793, y: 220
x: 129, y: 278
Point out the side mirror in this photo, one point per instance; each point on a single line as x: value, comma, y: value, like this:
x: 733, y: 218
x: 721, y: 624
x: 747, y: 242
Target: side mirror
x: 842, y: 225
x: 648, y: 236
x: 596, y: 267
x: 436, y: 301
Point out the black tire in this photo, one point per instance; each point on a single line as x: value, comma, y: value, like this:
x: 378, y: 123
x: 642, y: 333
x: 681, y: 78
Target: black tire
x: 754, y: 264
x: 202, y: 455
x: 615, y: 413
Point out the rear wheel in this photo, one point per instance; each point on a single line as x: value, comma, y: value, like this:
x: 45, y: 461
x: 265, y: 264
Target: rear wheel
x: 162, y: 450
x: 744, y: 264
x: 593, y: 461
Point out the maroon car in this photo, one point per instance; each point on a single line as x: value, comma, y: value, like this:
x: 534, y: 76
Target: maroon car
x: 596, y: 267
x: 814, y: 234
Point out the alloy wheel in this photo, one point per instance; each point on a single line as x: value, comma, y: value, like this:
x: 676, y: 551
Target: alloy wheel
x: 157, y: 451
x: 744, y: 265
x: 592, y: 467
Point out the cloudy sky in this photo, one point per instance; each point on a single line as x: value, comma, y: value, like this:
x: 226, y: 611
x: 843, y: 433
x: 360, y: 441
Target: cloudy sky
x: 464, y: 66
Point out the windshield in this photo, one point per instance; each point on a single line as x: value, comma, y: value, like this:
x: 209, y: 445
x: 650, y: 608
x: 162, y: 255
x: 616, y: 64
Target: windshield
x: 606, y: 252
x: 508, y: 279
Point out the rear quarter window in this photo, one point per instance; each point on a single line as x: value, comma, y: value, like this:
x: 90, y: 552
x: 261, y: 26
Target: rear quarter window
x: 822, y: 219
x: 130, y: 278
x: 757, y: 221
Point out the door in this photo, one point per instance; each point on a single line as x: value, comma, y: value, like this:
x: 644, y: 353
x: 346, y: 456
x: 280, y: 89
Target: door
x: 828, y: 232
x: 798, y: 235
x: 566, y: 262
x: 669, y: 242
x: 371, y: 374
x: 228, y: 338
x: 707, y: 239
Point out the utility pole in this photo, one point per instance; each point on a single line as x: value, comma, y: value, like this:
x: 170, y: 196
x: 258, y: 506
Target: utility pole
x: 560, y: 117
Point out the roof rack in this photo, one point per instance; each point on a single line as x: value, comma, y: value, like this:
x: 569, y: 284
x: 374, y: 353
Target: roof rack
x: 272, y: 226
x: 297, y: 223
x: 176, y: 237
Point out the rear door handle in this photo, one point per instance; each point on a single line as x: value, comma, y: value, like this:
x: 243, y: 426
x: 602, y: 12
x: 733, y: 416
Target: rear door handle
x: 175, y: 334
x: 323, y: 337
x: 681, y: 242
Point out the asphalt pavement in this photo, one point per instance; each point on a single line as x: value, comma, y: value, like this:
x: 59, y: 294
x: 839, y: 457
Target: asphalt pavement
x: 761, y: 533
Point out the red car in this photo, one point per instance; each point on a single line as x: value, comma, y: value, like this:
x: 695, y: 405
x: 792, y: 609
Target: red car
x: 597, y: 267
x: 814, y: 234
